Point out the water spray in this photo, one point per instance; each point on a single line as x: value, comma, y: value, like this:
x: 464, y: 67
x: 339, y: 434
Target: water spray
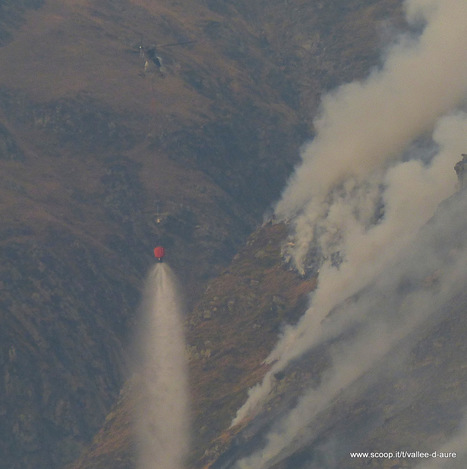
x: 162, y: 418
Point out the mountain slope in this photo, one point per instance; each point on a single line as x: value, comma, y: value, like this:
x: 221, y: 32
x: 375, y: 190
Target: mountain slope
x: 411, y: 399
x: 99, y: 163
x: 256, y: 293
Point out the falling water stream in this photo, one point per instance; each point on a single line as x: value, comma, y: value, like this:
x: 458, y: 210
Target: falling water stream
x: 163, y: 416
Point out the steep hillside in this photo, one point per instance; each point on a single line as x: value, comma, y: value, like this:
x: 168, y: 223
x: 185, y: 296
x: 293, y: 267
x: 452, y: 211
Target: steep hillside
x: 229, y: 332
x: 412, y: 398
x: 100, y: 160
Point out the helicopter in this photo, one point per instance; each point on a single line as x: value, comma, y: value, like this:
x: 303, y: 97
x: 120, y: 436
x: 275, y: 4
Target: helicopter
x: 152, y: 59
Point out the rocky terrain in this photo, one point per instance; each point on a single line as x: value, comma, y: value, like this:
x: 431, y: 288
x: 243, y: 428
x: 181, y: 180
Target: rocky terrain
x: 411, y: 398
x: 101, y: 160
x: 416, y: 401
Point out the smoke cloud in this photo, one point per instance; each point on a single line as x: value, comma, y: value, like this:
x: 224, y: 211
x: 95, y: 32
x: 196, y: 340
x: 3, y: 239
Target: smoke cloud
x: 162, y: 420
x: 364, y: 125
x: 362, y: 191
x: 362, y: 196
x: 414, y: 288
x: 458, y: 445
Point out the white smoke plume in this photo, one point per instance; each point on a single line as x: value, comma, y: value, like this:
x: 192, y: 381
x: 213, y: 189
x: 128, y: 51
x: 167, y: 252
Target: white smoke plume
x: 162, y: 420
x: 457, y: 444
x: 385, y: 318
x: 363, y: 125
x: 359, y: 160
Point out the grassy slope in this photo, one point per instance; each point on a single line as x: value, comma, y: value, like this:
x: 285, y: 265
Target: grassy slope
x: 229, y: 333
x: 91, y: 146
x: 252, y: 295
